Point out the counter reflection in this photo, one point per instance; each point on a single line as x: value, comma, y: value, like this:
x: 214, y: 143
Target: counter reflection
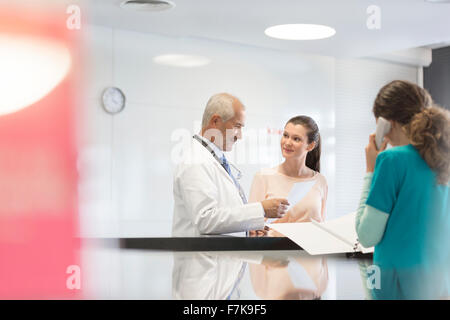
x: 210, y: 275
x: 302, y: 278
x: 206, y: 276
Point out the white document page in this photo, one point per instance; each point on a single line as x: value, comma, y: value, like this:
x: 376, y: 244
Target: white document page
x: 339, y: 237
x: 345, y: 227
x: 311, y: 238
x: 297, y: 193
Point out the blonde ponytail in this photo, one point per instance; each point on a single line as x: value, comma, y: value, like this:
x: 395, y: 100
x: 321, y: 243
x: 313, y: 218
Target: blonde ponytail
x: 429, y: 132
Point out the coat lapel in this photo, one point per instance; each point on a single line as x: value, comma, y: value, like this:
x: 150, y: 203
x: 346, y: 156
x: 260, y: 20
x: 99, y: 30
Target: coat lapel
x: 210, y: 157
x: 222, y: 169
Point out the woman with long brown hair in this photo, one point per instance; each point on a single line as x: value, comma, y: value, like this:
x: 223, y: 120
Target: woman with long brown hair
x: 404, y: 208
x: 301, y: 148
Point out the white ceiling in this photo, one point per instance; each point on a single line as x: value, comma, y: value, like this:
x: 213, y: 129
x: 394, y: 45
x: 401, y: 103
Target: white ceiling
x: 404, y: 23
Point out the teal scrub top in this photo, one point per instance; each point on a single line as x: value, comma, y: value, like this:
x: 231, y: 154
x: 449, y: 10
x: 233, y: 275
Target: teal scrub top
x: 416, y: 241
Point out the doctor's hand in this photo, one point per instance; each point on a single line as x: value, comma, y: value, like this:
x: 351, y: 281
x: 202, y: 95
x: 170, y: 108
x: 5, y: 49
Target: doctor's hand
x: 275, y: 208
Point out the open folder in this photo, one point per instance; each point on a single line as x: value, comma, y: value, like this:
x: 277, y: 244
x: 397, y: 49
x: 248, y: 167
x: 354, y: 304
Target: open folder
x: 334, y: 236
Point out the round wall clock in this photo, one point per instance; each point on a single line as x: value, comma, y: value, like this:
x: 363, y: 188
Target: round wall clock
x: 113, y: 100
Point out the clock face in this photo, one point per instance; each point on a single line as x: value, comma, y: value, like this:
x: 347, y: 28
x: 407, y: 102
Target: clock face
x: 113, y: 100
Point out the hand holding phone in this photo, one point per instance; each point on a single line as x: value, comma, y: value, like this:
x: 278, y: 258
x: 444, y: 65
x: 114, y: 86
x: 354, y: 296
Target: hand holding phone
x: 383, y: 127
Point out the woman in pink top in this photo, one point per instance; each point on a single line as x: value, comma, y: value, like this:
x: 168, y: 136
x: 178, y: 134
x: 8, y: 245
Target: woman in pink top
x: 300, y: 147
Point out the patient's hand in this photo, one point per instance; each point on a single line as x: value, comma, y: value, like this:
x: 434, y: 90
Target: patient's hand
x: 273, y: 233
x: 295, y: 213
x: 285, y: 218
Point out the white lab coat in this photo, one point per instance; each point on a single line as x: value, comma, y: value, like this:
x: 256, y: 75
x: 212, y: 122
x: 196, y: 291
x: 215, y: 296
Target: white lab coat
x: 206, y: 199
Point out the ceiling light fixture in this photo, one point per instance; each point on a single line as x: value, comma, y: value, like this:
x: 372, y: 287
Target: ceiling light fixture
x: 181, y: 60
x: 30, y: 68
x: 147, y: 5
x: 300, y: 32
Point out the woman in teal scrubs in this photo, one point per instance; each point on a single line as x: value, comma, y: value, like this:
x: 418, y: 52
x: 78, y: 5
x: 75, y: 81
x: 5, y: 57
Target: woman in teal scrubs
x: 404, y: 208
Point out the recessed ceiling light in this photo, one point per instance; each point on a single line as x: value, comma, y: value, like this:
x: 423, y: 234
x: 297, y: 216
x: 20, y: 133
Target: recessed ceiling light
x: 30, y: 67
x: 181, y: 60
x: 438, y: 1
x: 147, y: 5
x: 300, y: 32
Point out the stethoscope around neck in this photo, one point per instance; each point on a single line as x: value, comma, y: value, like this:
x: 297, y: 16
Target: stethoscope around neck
x: 238, y: 172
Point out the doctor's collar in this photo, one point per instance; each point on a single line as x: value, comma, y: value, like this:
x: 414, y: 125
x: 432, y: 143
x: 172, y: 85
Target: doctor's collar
x: 219, y: 153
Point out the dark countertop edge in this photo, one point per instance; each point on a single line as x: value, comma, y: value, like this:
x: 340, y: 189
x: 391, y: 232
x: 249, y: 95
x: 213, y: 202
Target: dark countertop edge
x: 213, y: 243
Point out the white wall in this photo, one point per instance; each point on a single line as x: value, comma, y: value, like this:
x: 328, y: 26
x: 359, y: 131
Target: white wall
x: 126, y: 162
x: 357, y: 84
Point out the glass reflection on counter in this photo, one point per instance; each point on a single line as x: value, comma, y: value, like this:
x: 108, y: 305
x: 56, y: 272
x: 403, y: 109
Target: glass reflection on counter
x: 302, y: 278
x: 206, y: 276
x: 218, y: 276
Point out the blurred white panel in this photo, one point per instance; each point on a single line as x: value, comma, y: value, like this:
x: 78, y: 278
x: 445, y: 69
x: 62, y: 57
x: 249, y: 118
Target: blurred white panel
x: 112, y: 273
x: 146, y: 275
x: 147, y: 228
x: 146, y: 82
x: 101, y: 271
x: 142, y: 160
x: 94, y: 167
x: 95, y: 136
x: 350, y: 285
x: 357, y: 84
x: 265, y: 80
x: 98, y: 59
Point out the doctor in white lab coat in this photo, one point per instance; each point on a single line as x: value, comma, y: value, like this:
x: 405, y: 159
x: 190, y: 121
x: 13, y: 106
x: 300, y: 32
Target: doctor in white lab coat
x: 208, y: 197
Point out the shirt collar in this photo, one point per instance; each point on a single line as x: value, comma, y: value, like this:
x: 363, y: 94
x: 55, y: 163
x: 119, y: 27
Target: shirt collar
x: 219, y: 153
